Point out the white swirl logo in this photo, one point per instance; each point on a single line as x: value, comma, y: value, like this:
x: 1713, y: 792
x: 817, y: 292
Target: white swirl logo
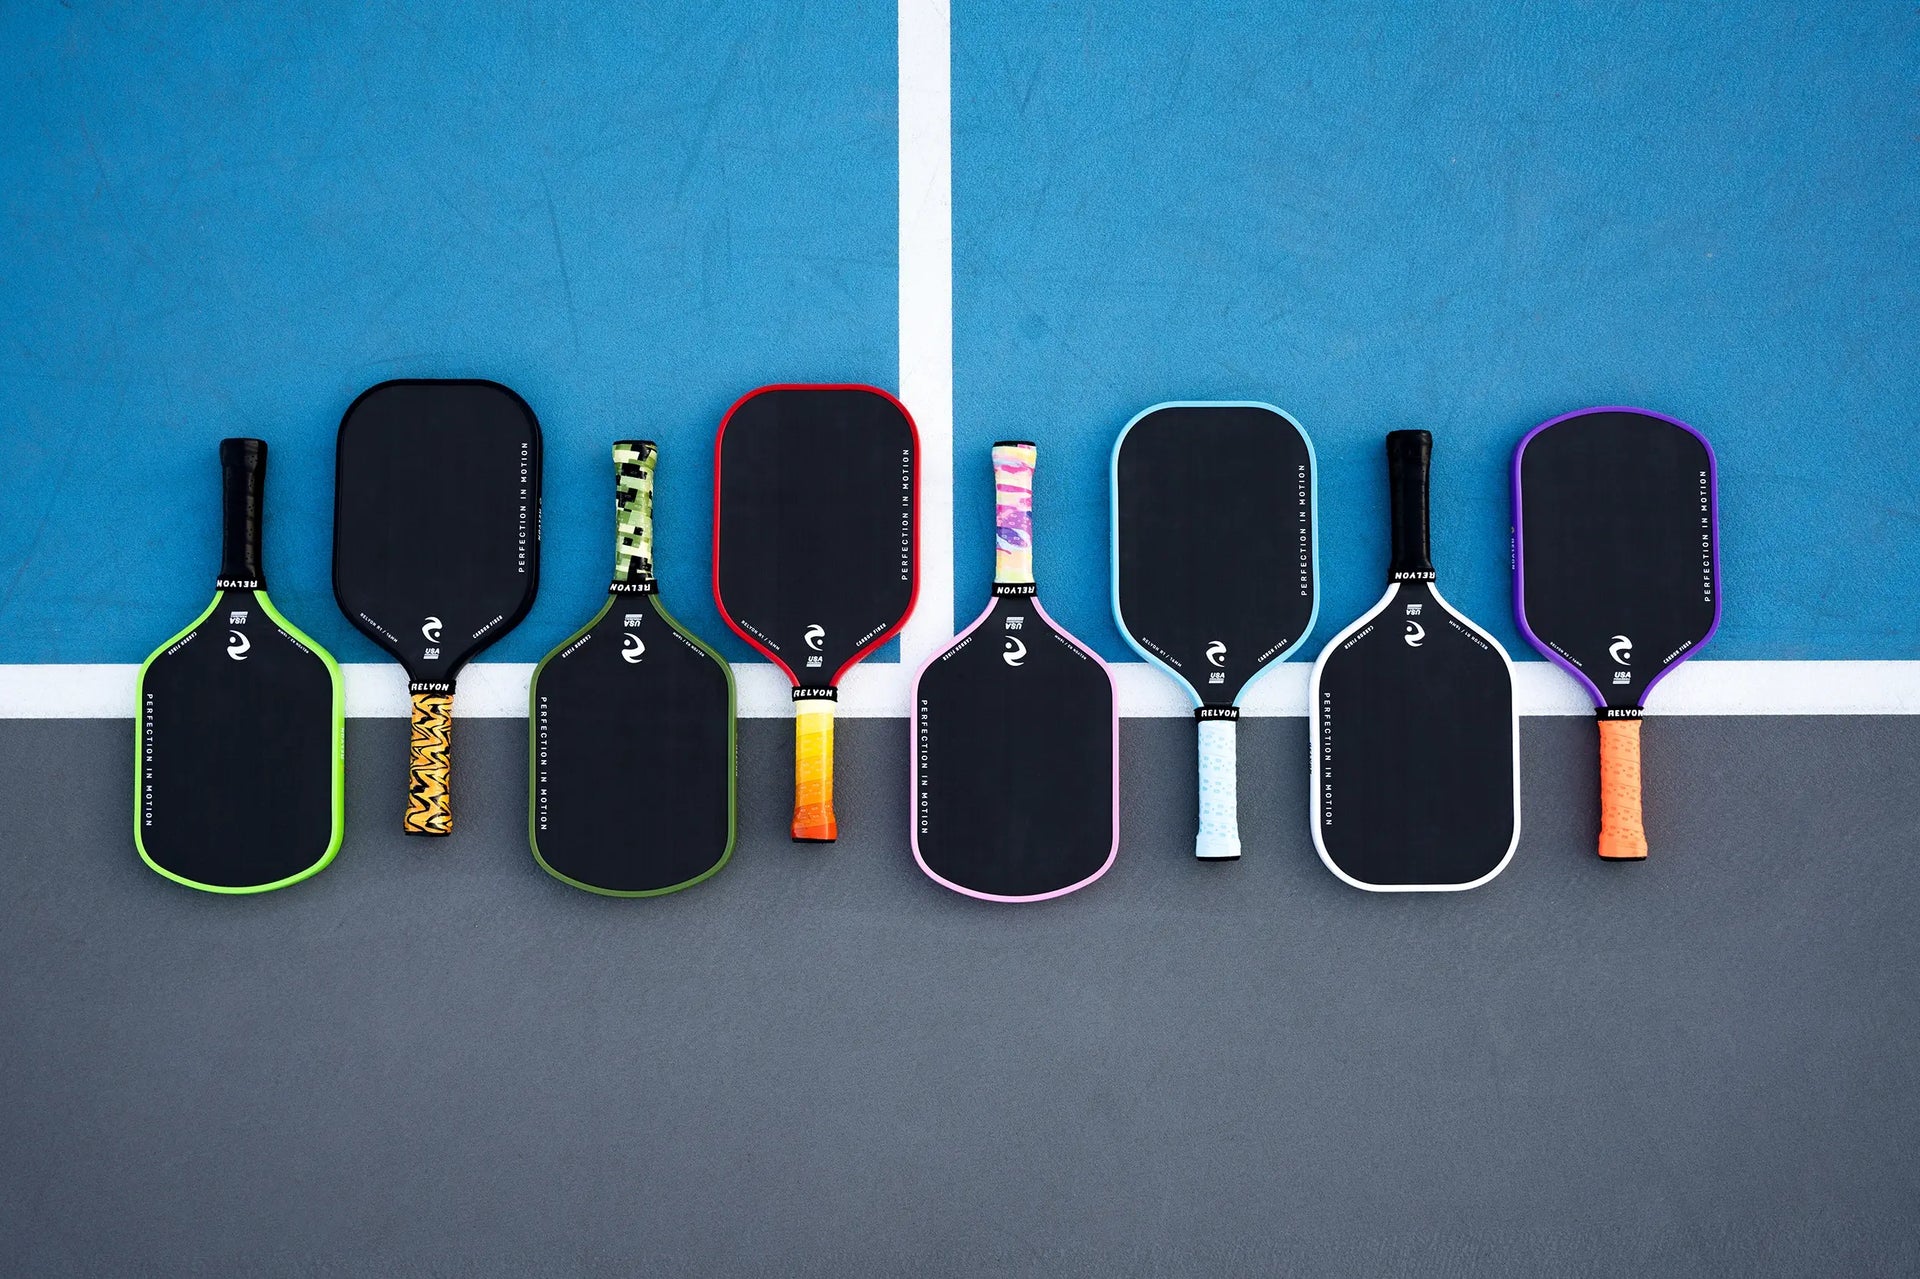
x: 1416, y: 635
x: 237, y: 650
x: 816, y: 635
x: 1621, y: 650
x: 631, y: 649
x: 431, y: 630
x: 1016, y: 652
x: 1217, y: 654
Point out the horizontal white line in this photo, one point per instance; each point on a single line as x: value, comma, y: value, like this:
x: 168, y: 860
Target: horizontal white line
x: 877, y: 690
x: 1696, y: 688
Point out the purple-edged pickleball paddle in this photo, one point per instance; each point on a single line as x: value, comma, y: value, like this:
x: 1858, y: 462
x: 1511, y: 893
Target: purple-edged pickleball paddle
x: 1616, y: 573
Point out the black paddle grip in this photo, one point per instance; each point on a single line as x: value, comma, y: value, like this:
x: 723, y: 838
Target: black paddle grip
x: 243, y: 488
x: 1408, y: 456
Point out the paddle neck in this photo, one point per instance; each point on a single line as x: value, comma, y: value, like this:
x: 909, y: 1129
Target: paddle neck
x: 1013, y: 462
x: 243, y: 487
x: 1409, y: 454
x: 633, y: 463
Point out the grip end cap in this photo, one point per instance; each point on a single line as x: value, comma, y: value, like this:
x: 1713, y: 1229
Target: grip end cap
x: 1216, y: 848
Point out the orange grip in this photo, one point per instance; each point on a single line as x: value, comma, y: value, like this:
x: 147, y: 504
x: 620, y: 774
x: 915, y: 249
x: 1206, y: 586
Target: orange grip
x: 429, y: 789
x: 813, y: 771
x: 1621, y: 837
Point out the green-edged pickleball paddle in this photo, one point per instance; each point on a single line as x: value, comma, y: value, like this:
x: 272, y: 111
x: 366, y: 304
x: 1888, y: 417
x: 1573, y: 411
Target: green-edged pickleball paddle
x: 239, y: 726
x: 631, y: 729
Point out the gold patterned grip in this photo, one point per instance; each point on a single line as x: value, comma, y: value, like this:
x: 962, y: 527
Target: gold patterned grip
x: 429, y: 799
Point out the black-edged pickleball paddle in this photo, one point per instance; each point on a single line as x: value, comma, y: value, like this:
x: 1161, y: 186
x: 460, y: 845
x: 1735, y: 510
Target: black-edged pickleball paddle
x: 815, y: 550
x: 239, y: 725
x: 1416, y: 739
x: 1616, y: 573
x: 631, y: 729
x: 436, y: 546
x: 1016, y: 734
x: 1215, y: 572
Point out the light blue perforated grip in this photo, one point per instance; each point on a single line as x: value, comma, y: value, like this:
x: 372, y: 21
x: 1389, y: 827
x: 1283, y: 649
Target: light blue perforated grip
x: 1219, y: 837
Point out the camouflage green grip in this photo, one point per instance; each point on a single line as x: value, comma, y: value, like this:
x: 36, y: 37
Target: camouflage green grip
x: 633, y: 462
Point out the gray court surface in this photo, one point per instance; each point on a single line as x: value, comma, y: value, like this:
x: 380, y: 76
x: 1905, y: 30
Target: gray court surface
x: 433, y: 1059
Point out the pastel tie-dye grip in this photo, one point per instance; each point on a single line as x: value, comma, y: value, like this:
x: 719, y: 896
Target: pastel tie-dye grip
x: 1014, y: 755
x: 633, y: 463
x: 1013, y: 513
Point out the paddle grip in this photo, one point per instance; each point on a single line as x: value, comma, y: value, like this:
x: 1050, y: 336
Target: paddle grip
x: 813, y: 771
x: 1409, y: 454
x: 1013, y: 463
x: 1219, y: 837
x: 429, y: 766
x: 633, y: 463
x: 243, y: 488
x: 1621, y: 836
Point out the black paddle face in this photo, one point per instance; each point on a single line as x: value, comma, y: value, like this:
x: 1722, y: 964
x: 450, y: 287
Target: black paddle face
x: 629, y: 708
x: 813, y: 556
x: 436, y: 529
x: 238, y: 754
x: 1014, y: 766
x: 1415, y: 759
x: 1616, y: 573
x: 1214, y: 542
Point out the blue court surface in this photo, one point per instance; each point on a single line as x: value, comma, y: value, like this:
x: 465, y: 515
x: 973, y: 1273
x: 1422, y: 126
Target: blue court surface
x: 224, y: 226
x: 1468, y: 219
x: 1373, y: 217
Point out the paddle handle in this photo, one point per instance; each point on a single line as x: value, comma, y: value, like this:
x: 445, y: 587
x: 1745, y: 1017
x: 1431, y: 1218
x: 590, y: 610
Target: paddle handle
x: 813, y: 821
x: 1409, y: 455
x: 429, y: 766
x: 1621, y: 836
x: 1013, y: 463
x: 243, y: 490
x: 1219, y: 838
x: 633, y: 463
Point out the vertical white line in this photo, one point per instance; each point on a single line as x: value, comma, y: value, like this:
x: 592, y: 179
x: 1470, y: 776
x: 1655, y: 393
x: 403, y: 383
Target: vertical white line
x: 926, y: 305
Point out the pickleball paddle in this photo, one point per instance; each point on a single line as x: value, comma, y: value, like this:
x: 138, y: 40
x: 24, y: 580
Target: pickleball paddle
x: 239, y: 725
x: 1016, y: 734
x: 814, y: 550
x: 1616, y: 573
x: 1215, y: 575
x: 1416, y: 741
x: 436, y: 546
x: 632, y: 703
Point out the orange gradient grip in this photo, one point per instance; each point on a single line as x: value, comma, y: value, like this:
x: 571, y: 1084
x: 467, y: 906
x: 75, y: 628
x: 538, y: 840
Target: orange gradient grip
x: 1621, y: 836
x: 813, y: 771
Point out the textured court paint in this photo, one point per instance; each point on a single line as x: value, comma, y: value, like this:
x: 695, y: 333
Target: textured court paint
x: 217, y: 225
x: 1468, y: 219
x: 1473, y: 221
x: 451, y: 1064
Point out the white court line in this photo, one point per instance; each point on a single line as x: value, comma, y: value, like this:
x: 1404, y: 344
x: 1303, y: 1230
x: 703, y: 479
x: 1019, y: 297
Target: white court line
x: 498, y: 690
x: 926, y: 313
